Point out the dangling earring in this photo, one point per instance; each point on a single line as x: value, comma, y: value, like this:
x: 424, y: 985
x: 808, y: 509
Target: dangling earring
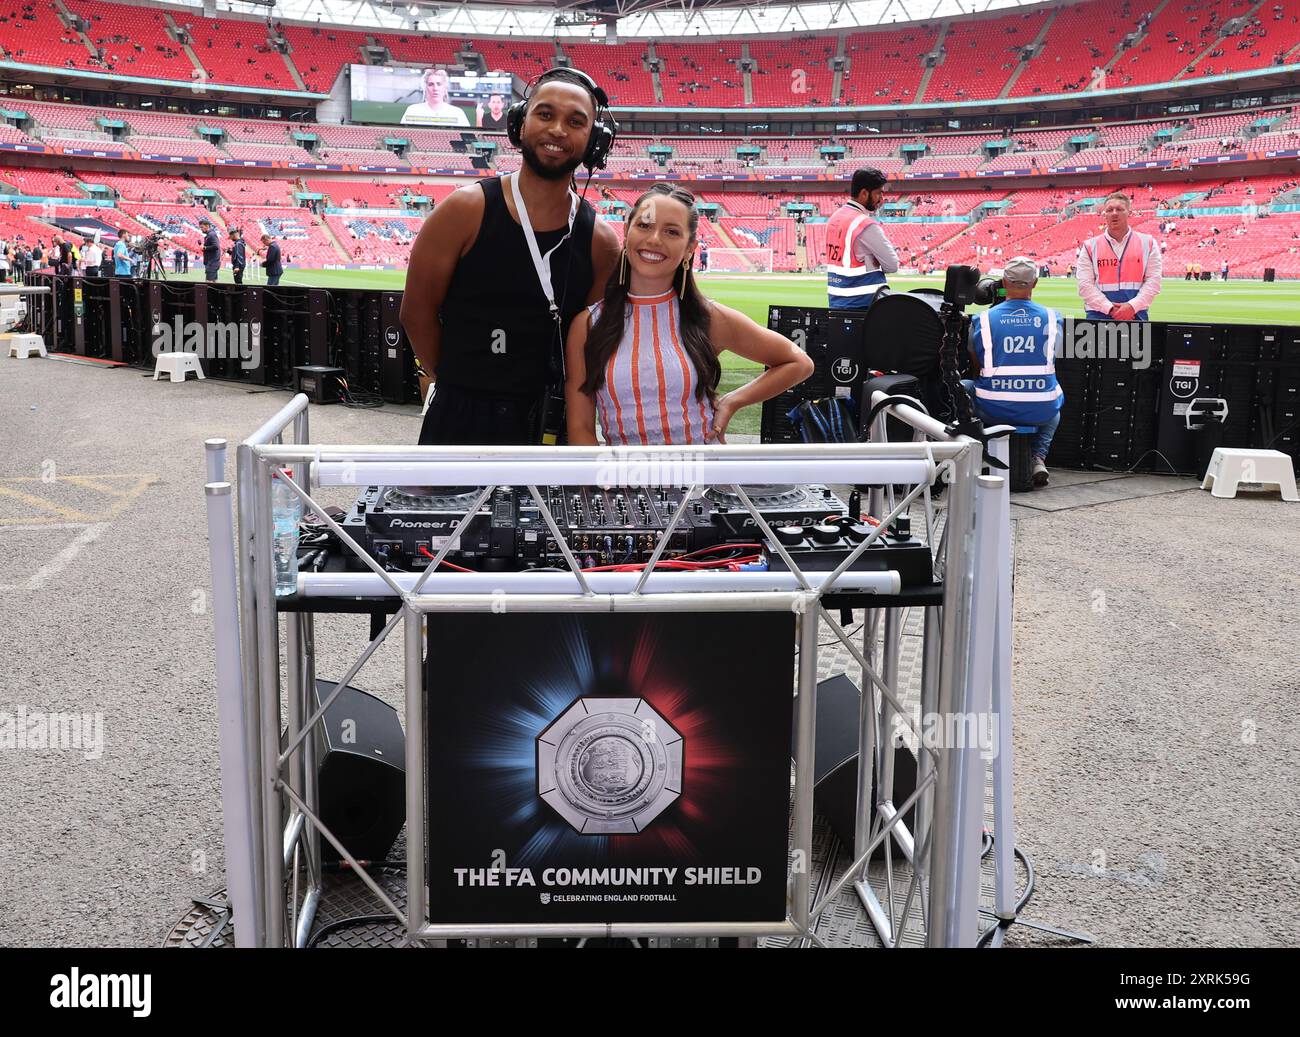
x: 686, y: 272
x: 622, y: 267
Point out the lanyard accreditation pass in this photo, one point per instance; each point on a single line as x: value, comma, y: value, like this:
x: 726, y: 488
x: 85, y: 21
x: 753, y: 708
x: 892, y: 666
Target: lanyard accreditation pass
x: 542, y: 262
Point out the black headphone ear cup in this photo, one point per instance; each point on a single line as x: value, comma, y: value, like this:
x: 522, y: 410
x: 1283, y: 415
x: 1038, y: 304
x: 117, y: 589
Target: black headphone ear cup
x: 594, y: 158
x: 515, y: 122
x: 601, y: 142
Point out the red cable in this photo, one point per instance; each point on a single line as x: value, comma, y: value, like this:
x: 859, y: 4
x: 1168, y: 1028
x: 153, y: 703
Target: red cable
x: 679, y: 565
x: 450, y: 565
x: 722, y: 547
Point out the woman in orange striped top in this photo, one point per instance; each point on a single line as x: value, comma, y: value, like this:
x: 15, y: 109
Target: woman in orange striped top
x: 645, y: 357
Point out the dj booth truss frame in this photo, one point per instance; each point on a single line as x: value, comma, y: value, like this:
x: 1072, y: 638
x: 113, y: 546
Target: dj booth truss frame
x: 267, y: 852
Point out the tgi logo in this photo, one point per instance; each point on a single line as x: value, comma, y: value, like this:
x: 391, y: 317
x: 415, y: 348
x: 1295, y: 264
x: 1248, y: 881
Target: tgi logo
x: 844, y: 369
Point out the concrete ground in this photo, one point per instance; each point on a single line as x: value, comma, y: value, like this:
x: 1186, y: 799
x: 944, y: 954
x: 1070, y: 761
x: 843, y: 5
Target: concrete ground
x: 1157, y: 671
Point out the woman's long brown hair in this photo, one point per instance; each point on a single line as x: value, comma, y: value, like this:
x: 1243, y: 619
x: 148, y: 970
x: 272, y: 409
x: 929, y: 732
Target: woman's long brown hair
x: 607, y: 330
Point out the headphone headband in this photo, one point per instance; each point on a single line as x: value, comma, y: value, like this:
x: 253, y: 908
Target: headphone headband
x: 603, y: 131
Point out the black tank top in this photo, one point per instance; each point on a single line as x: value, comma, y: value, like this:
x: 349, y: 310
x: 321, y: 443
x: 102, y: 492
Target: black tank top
x: 497, y: 332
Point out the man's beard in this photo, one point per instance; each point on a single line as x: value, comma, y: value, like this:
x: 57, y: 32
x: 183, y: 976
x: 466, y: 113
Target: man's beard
x: 560, y: 172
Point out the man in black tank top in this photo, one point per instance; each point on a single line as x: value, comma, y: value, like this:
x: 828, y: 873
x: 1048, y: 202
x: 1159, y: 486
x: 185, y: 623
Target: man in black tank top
x: 474, y: 308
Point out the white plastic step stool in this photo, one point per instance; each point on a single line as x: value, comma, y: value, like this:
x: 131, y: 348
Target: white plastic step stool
x: 175, y: 365
x: 25, y: 345
x: 1232, y: 466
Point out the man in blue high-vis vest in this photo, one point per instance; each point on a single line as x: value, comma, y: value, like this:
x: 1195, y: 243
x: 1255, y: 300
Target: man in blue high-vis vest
x: 1014, y: 345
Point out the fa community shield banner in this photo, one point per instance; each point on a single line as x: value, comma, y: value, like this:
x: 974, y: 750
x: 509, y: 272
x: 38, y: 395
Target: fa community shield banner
x: 609, y: 767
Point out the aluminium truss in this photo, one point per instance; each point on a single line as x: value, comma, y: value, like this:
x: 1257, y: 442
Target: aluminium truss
x: 274, y: 860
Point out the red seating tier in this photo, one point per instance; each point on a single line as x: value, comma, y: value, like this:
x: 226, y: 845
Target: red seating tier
x: 39, y: 37
x: 1180, y: 32
x: 703, y: 74
x: 1082, y: 38
x: 428, y: 50
x: 619, y: 69
x: 319, y: 53
x: 251, y: 190
x: 886, y: 65
x: 40, y: 183
x: 137, y: 187
x: 133, y: 41
x: 238, y: 52
x: 792, y: 72
x: 980, y: 55
x: 194, y: 147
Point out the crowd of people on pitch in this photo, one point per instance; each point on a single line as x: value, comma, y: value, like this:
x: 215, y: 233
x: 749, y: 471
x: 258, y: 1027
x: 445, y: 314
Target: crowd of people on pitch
x: 128, y: 254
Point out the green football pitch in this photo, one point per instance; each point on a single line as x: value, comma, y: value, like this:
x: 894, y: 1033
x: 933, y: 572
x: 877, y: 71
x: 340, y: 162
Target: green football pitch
x: 1231, y: 302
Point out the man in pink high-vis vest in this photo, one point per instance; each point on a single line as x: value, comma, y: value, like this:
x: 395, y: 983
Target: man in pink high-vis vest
x: 1119, y: 269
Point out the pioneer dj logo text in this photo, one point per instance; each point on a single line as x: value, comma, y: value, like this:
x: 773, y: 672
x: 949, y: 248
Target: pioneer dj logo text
x: 92, y: 990
x: 59, y: 731
x: 211, y: 340
x: 636, y: 469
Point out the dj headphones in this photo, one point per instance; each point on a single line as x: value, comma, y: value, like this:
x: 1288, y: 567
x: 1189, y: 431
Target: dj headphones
x: 603, y: 130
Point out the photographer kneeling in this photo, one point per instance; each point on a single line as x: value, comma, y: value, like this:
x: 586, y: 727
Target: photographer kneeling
x: 1014, y: 347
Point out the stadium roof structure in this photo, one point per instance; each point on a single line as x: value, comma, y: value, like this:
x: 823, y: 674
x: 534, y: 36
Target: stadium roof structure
x: 596, y: 19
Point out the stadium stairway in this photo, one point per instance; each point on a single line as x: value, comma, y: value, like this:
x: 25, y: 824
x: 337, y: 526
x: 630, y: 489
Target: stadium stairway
x: 333, y: 239
x: 837, y: 82
x: 175, y: 32
x: 294, y: 74
x: 1216, y: 41
x: 1120, y: 51
x: 746, y: 75
x: 67, y: 17
x: 1036, y: 43
x: 654, y: 75
x: 723, y: 235
x: 929, y: 72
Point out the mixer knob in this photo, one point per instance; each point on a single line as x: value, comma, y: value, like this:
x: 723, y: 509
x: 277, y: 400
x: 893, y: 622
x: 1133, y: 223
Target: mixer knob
x: 791, y: 536
x: 857, y: 531
x: 825, y: 533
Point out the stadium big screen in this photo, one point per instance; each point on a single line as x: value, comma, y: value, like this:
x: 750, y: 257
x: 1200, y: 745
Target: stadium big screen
x: 429, y: 97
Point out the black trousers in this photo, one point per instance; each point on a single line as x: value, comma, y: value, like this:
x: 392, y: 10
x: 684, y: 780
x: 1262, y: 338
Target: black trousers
x: 463, y: 417
x: 238, y: 272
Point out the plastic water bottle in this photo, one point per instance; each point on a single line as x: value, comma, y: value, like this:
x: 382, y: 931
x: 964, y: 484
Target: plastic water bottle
x: 286, y: 513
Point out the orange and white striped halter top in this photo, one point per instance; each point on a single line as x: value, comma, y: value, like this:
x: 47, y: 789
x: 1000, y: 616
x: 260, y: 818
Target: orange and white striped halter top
x: 648, y: 396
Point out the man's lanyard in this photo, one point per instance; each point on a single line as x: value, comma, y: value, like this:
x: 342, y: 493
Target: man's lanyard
x: 542, y: 262
x: 1119, y: 260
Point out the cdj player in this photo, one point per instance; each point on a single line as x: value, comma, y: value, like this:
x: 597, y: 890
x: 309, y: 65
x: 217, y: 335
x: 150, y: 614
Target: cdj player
x: 398, y: 525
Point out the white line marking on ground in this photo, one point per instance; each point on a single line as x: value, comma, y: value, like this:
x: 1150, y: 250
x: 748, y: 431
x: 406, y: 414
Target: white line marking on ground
x: 44, y: 526
x: 65, y: 557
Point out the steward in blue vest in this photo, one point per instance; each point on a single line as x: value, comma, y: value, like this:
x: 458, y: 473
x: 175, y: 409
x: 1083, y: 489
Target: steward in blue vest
x: 1014, y: 344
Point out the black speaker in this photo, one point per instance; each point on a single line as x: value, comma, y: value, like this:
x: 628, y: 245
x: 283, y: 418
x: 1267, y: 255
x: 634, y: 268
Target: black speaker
x: 835, y: 761
x: 361, y: 758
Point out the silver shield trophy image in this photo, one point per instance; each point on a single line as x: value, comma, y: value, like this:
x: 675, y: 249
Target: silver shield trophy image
x: 609, y: 766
